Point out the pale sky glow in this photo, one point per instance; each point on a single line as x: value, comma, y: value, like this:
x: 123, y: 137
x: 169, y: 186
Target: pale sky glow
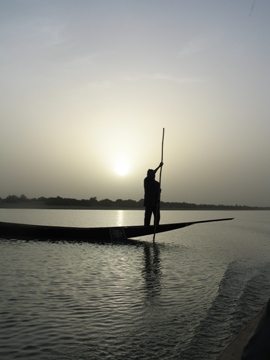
x: 87, y: 86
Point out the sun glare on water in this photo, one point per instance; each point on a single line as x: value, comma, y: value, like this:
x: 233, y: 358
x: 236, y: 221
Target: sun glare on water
x: 122, y: 166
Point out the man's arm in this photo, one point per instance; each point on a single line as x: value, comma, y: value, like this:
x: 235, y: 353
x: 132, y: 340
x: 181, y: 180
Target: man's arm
x: 159, y: 166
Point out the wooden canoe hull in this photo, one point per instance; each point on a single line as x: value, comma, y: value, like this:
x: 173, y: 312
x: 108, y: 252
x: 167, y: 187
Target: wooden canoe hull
x: 43, y: 232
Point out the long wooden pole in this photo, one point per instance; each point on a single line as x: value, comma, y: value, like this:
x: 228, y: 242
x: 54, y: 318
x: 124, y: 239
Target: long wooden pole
x: 160, y: 173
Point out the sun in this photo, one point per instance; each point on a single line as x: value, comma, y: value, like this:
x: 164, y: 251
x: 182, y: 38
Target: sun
x: 122, y: 165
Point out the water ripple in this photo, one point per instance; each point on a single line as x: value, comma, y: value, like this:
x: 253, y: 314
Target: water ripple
x: 184, y: 298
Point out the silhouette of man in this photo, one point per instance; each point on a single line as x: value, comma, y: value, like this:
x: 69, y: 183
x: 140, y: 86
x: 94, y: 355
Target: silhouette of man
x: 151, y: 197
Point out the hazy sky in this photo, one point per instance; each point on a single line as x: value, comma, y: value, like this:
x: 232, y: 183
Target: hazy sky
x: 88, y: 85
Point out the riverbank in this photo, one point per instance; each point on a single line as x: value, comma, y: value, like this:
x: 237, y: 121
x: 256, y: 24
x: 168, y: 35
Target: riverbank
x: 115, y: 205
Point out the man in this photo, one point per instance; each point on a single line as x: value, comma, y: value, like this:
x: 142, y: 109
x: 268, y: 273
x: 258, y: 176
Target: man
x: 151, y: 197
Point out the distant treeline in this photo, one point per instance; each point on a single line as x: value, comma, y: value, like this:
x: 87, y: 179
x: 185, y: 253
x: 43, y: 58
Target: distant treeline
x: 13, y: 201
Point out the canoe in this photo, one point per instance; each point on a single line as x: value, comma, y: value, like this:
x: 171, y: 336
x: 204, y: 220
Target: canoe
x: 96, y: 234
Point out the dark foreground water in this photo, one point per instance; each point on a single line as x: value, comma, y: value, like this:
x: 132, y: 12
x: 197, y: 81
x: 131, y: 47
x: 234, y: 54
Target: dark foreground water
x: 184, y: 298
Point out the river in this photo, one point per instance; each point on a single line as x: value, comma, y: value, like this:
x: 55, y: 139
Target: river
x: 184, y: 298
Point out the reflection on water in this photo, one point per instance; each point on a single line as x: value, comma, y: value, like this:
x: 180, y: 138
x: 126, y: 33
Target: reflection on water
x: 152, y: 272
x: 120, y: 218
x: 183, y: 298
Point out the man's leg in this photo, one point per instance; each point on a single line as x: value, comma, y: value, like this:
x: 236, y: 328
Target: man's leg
x: 147, y: 216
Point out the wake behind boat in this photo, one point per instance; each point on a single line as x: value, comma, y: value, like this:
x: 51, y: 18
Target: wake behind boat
x: 89, y: 234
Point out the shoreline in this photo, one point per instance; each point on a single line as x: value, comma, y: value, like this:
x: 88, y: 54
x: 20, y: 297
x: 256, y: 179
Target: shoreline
x: 163, y: 208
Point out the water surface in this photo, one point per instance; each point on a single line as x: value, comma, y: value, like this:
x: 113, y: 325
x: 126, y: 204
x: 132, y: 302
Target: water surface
x: 184, y: 298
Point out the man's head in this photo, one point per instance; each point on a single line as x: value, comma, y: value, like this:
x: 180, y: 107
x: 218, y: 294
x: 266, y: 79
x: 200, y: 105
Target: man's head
x: 151, y: 173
